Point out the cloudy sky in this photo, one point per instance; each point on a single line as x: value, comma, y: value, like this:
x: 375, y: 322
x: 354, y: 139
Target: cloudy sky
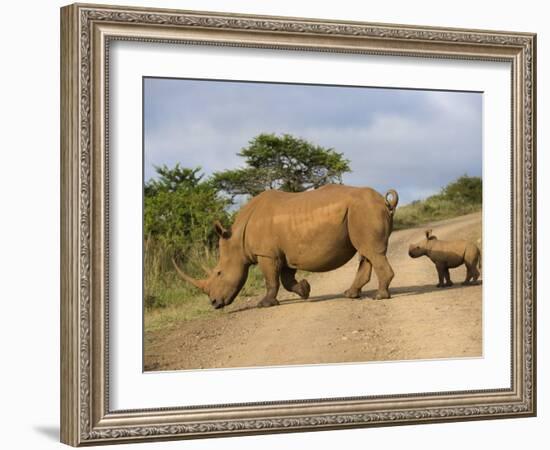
x: 409, y: 140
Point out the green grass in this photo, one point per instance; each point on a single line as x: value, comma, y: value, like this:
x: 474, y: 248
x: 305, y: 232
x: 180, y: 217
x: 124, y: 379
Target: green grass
x: 181, y: 307
x: 430, y: 210
x: 176, y: 301
x: 459, y: 197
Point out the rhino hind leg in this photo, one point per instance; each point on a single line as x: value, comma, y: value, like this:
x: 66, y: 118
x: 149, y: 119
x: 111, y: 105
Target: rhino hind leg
x: 288, y: 278
x: 469, y: 275
x: 475, y: 274
x: 362, y: 277
x: 472, y: 274
x: 369, y: 237
x: 471, y: 260
x: 384, y: 273
x: 270, y: 270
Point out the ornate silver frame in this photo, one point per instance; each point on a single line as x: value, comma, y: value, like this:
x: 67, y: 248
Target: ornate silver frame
x: 86, y: 31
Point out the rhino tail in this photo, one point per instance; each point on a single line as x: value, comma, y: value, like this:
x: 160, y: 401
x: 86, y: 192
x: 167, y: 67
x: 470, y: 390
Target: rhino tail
x: 391, y: 200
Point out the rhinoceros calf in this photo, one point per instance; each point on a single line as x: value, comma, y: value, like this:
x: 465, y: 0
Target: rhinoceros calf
x: 448, y: 255
x: 316, y: 231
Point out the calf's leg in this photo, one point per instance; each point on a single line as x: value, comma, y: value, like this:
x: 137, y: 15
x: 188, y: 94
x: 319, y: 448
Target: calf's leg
x: 471, y: 260
x: 288, y: 278
x: 469, y: 275
x: 472, y: 274
x: 362, y: 277
x: 475, y: 265
x: 475, y: 274
x: 440, y: 274
x: 270, y: 270
x: 447, y: 277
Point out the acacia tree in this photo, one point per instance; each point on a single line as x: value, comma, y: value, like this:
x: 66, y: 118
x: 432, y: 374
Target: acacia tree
x: 170, y: 180
x: 282, y: 162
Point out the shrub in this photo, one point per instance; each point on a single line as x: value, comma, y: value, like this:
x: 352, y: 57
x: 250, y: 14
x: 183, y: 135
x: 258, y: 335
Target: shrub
x: 459, y: 197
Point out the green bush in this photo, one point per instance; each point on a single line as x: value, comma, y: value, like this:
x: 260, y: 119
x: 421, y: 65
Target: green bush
x: 462, y: 196
x: 180, y: 209
x: 179, y: 213
x: 465, y: 190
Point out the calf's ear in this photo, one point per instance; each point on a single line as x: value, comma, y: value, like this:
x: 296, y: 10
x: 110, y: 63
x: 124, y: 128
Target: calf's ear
x: 429, y: 235
x: 221, y: 231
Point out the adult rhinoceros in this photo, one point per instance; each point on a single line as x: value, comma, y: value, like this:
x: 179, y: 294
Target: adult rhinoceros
x: 316, y: 231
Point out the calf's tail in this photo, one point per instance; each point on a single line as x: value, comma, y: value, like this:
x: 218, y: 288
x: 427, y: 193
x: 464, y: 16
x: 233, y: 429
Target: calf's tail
x: 391, y: 200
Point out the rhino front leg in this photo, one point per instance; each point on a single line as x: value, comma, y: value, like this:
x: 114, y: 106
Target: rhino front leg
x: 270, y: 270
x: 447, y: 277
x: 288, y: 278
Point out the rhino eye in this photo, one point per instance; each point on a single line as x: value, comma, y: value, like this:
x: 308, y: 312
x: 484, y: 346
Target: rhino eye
x: 219, y: 272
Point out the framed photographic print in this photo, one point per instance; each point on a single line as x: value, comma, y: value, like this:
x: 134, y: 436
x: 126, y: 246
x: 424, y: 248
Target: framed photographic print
x: 278, y: 224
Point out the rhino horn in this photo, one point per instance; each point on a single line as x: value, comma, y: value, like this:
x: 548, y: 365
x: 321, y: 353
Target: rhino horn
x: 201, y: 284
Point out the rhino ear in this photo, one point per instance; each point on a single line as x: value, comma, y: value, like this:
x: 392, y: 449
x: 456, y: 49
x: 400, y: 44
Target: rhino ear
x: 221, y: 231
x: 429, y: 234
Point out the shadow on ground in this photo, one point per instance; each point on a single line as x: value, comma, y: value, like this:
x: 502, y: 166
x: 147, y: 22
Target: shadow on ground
x: 400, y: 291
x: 403, y: 291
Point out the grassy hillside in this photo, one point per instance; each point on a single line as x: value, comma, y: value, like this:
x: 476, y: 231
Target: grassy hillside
x: 459, y: 197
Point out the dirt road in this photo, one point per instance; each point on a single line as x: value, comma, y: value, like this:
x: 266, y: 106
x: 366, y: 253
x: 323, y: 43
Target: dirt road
x: 420, y: 321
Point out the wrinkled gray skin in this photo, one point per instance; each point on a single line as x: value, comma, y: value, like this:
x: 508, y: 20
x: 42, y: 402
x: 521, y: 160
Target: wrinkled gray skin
x: 448, y: 255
